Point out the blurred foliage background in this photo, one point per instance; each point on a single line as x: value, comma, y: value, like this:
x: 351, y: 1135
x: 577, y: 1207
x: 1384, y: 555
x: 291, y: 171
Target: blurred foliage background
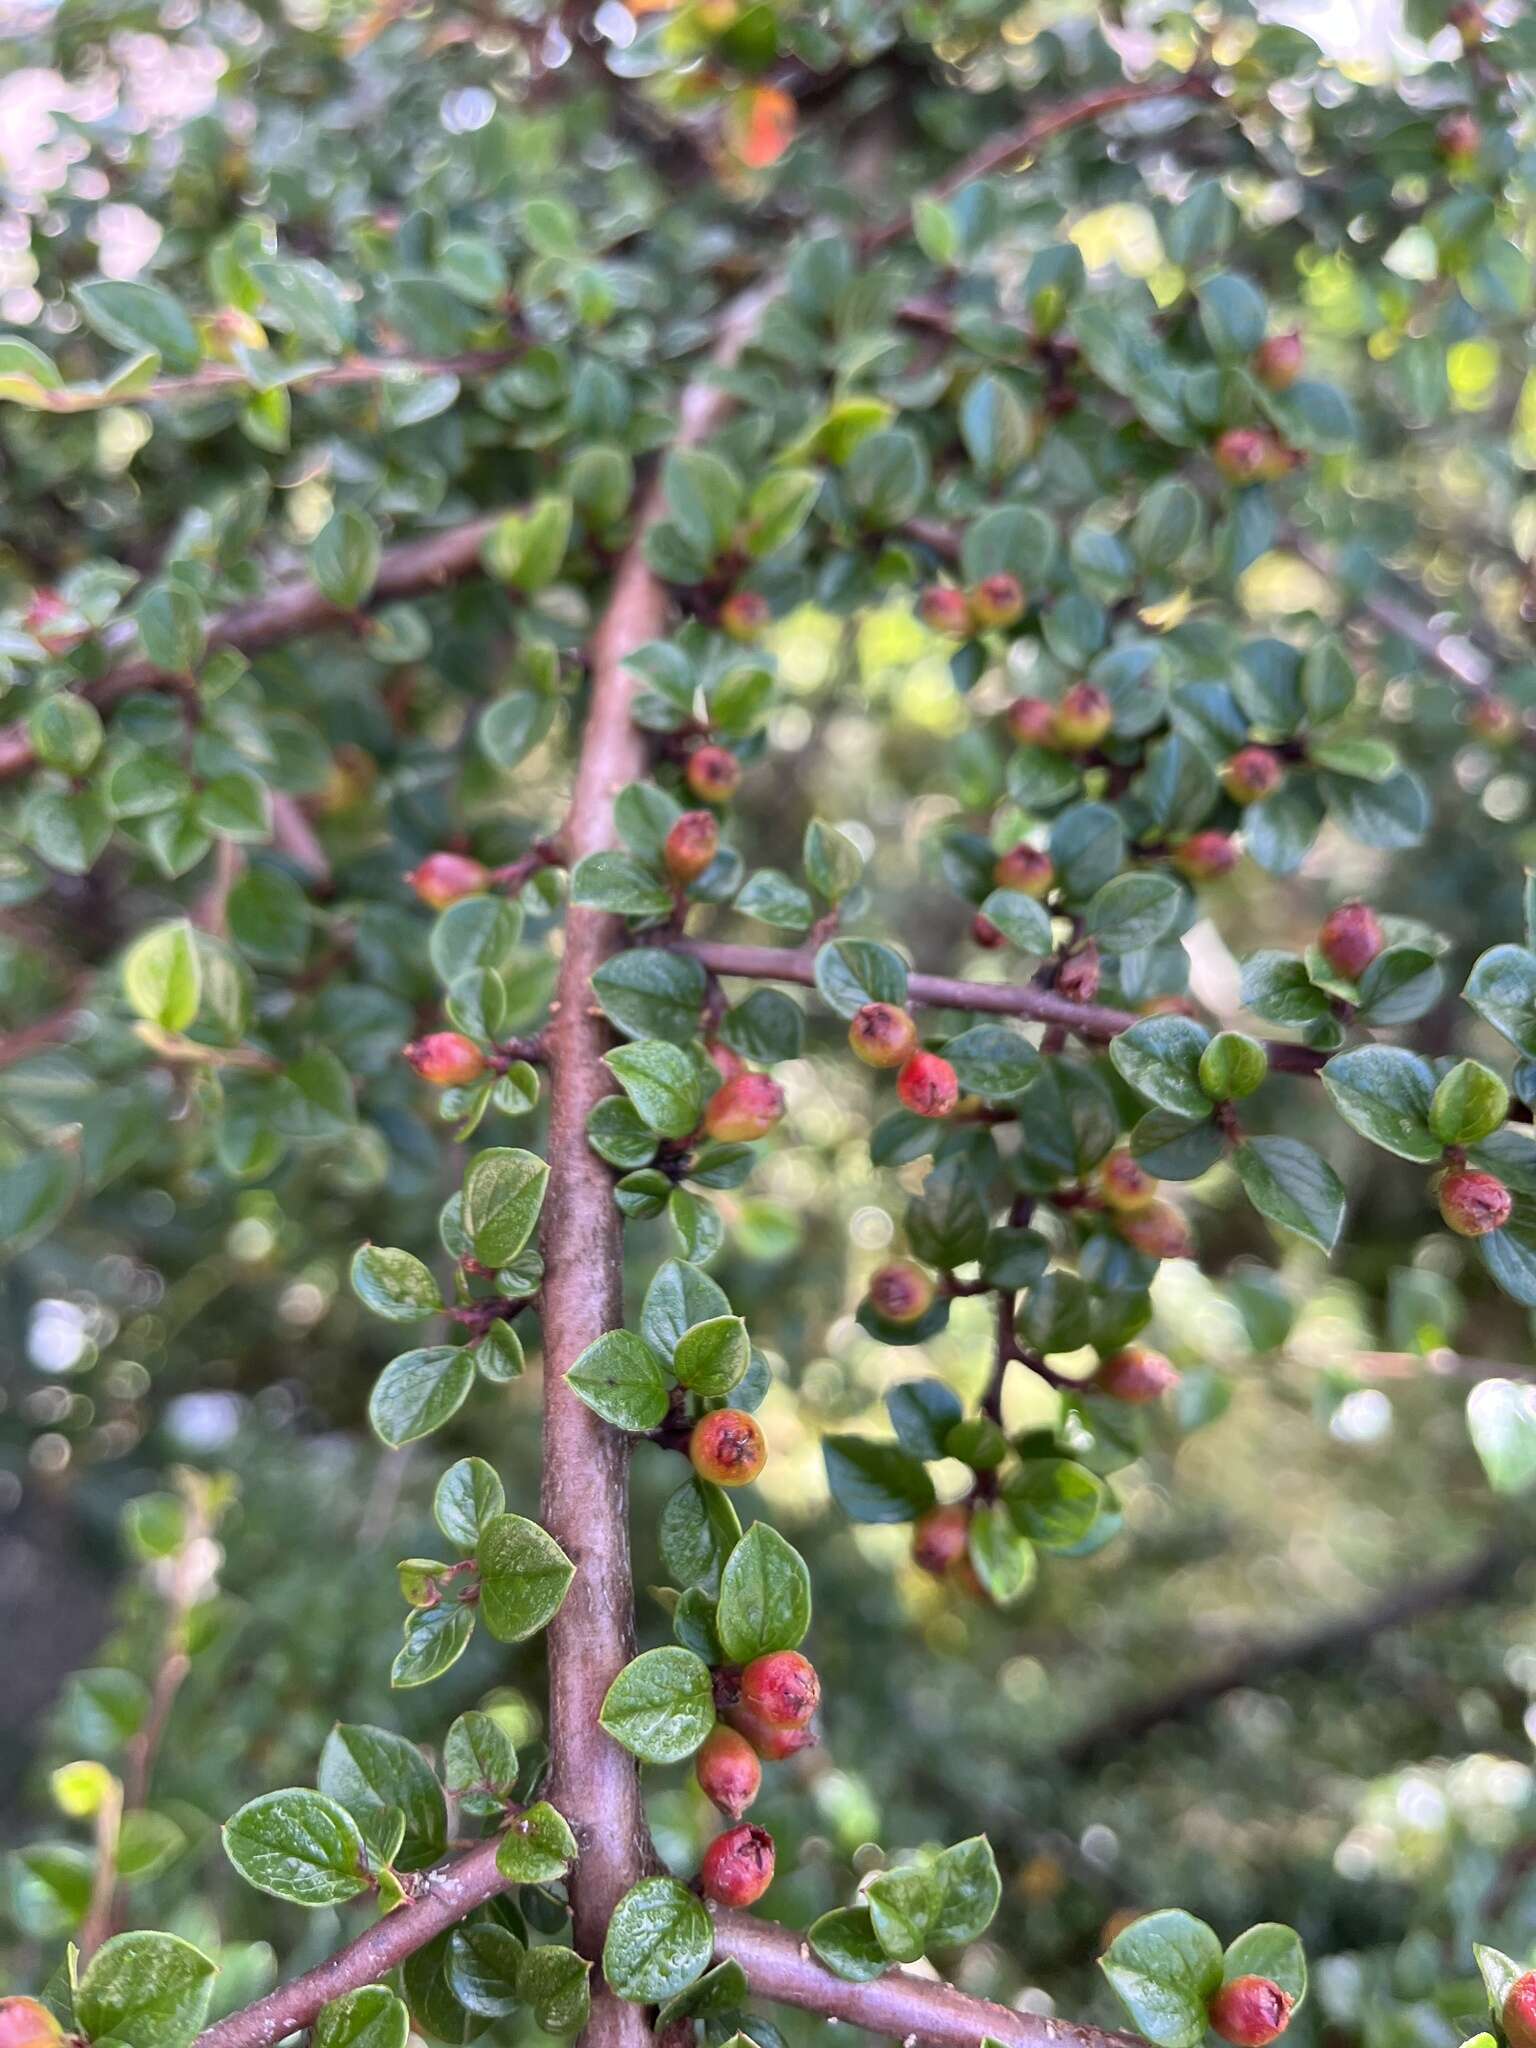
x: 1370, y: 1784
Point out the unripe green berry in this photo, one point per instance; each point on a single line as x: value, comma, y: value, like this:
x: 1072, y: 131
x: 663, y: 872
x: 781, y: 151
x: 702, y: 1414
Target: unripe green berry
x: 901, y: 1292
x: 713, y: 774
x: 1232, y: 1066
x: 728, y: 1771
x: 728, y: 1447
x: 447, y: 1059
x: 928, y: 1085
x: 738, y: 1866
x: 691, y: 845
x: 882, y: 1035
x: 1250, y: 2012
x: 1474, y: 1204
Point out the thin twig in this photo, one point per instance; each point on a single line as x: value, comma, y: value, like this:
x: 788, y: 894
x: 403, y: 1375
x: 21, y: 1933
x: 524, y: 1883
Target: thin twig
x: 215, y: 379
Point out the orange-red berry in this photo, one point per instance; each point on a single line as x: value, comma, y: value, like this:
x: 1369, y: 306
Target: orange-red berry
x: 1519, y: 2014
x: 781, y: 1689
x: 727, y: 1446
x: 1125, y: 1184
x: 1083, y: 717
x: 743, y: 1108
x: 26, y: 2024
x: 744, y: 615
x: 1025, y: 868
x: 1459, y: 137
x: 940, y: 1539
x: 443, y: 878
x: 1032, y: 721
x: 726, y: 1062
x: 691, y: 845
x: 997, y: 601
x: 447, y: 1059
x: 928, y: 1085
x: 882, y: 1035
x: 772, y: 1744
x: 1277, y: 362
x: 1250, y: 2012
x: 985, y: 933
x: 1253, y: 455
x: 943, y: 609
x: 1474, y: 1203
x: 738, y: 1866
x: 1252, y: 774
x: 1135, y: 1375
x: 1350, y: 938
x: 53, y: 622
x: 901, y: 1292
x: 728, y: 1770
x: 1206, y: 856
x: 1159, y: 1232
x: 1078, y: 976
x: 713, y: 774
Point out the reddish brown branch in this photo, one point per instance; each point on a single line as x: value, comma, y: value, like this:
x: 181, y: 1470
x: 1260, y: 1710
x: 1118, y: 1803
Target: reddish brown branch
x: 1096, y: 1022
x: 780, y: 1966
x: 1452, y: 653
x: 216, y: 378
x: 289, y: 609
x: 1001, y: 151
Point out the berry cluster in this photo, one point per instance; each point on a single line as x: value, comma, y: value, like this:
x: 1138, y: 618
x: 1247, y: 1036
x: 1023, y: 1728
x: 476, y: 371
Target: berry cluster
x: 767, y: 1708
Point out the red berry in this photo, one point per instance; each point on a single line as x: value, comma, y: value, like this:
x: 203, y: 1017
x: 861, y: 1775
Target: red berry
x: 773, y: 1745
x: 997, y: 601
x: 1206, y: 856
x: 1277, y: 362
x: 1159, y: 1232
x: 1083, y: 717
x: 1032, y: 721
x: 1025, y: 868
x: 1519, y: 2015
x: 882, y: 1035
x: 1350, y: 938
x: 1474, y: 1203
x: 691, y: 845
x: 940, y: 1539
x: 1135, y: 1375
x: 745, y: 1107
x: 53, y: 622
x: 1252, y: 774
x: 728, y: 1771
x: 727, y: 1446
x: 726, y: 1063
x: 26, y: 2024
x: 928, y: 1085
x: 901, y: 1292
x: 443, y: 878
x: 738, y: 1866
x: 744, y: 615
x: 1459, y: 137
x: 713, y: 774
x: 447, y: 1059
x: 985, y: 933
x: 1126, y: 1184
x: 1250, y: 2012
x: 943, y: 609
x: 1077, y: 978
x: 781, y: 1689
x: 1253, y: 455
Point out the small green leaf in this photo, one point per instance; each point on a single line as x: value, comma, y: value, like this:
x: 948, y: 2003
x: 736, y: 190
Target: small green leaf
x: 1386, y: 1093
x: 344, y: 559
x: 659, y: 1939
x: 1272, y: 1951
x: 370, y: 2017
x: 969, y: 1889
x: 765, y: 1596
x: 1501, y: 1416
x: 1160, y: 1057
x: 394, y: 1284
x: 537, y: 1848
x: 145, y: 1991
x: 1163, y: 1968
x: 621, y: 1378
x: 298, y: 1846
x: 1290, y: 1184
x: 524, y: 1577
x: 619, y: 883
x: 845, y: 1940
x: 418, y: 1392
x: 503, y: 1194
x: 853, y: 972
x: 876, y: 1482
x: 901, y: 1906
x: 468, y: 1495
x: 663, y: 1083
x: 661, y: 1706
x: 554, y: 1983
x: 712, y: 1356
x: 162, y: 976
x: 1471, y: 1103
